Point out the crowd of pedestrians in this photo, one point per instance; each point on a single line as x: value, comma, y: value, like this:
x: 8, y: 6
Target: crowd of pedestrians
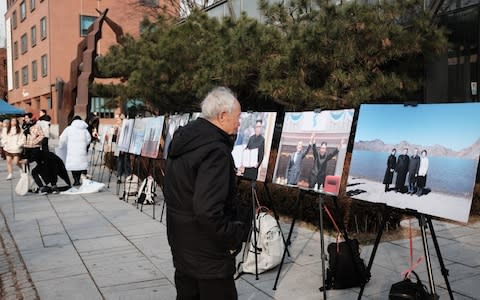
x: 24, y: 143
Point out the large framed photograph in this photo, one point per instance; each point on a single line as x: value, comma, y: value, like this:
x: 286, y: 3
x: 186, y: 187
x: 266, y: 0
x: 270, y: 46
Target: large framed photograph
x: 152, y: 137
x: 125, y: 135
x: 138, y: 134
x: 173, y: 123
x: 312, y: 149
x: 253, y: 143
x: 422, y: 158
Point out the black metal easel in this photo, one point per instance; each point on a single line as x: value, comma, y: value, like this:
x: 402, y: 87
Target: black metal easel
x: 424, y: 221
x: 300, y: 197
x: 255, y: 205
x: 151, y: 162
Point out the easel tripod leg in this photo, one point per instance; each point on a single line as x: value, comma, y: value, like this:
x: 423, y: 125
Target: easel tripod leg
x: 287, y: 242
x: 375, y: 247
x: 422, y: 224
x: 322, y: 246
x: 255, y: 242
x: 440, y: 258
x: 276, y: 216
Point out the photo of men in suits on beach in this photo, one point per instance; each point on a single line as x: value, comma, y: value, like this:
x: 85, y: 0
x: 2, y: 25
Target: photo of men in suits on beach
x: 312, y: 150
x: 422, y: 158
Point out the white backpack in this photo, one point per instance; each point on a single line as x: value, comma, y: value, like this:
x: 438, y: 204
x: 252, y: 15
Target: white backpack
x: 270, y: 245
x: 146, y: 192
x: 130, y: 188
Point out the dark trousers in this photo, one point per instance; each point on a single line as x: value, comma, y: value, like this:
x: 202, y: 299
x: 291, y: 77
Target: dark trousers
x: 33, y: 154
x: 189, y: 288
x: 123, y: 165
x: 45, y: 144
x: 76, y: 176
x: 48, y: 172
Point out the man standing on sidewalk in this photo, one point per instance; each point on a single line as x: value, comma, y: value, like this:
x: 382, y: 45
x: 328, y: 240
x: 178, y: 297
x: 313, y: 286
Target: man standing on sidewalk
x: 205, y: 220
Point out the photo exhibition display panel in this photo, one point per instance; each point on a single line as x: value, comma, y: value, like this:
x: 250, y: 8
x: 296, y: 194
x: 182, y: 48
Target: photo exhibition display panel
x: 422, y: 158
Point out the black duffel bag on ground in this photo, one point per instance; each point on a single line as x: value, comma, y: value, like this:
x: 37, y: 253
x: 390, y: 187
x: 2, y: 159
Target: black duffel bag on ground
x: 409, y: 290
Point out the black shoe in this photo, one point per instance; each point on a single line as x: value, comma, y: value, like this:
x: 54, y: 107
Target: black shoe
x: 55, y: 190
x: 42, y: 191
x: 76, y: 183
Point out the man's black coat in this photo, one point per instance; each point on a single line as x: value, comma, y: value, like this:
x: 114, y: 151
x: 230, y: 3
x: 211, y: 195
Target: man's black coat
x: 204, y: 219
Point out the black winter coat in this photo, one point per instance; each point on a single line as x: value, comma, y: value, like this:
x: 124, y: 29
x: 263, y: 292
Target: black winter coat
x: 204, y: 221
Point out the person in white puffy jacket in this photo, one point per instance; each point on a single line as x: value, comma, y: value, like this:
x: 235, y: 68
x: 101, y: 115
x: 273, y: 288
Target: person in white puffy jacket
x: 73, y: 146
x: 13, y: 140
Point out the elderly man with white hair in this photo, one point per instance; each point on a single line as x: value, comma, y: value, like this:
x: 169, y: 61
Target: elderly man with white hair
x: 205, y: 219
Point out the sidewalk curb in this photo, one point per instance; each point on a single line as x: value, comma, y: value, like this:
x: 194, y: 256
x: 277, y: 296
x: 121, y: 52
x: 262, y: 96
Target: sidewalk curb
x: 15, y: 280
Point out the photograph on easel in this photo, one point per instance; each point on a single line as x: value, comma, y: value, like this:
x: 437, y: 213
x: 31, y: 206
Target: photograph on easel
x: 173, y: 123
x: 421, y: 157
x: 152, y: 137
x: 251, y: 151
x: 138, y: 135
x: 312, y: 149
x: 124, y: 138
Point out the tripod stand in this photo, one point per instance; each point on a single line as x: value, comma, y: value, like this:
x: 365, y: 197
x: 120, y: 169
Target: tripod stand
x: 254, y: 231
x: 424, y: 221
x: 321, y: 203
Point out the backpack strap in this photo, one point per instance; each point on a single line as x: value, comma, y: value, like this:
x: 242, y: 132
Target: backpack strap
x: 407, y: 272
x: 329, y: 214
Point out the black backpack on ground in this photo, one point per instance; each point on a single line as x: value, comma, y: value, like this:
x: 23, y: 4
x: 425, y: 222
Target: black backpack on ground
x: 345, y: 267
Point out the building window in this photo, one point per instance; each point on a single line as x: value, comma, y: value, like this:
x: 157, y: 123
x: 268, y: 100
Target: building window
x: 34, y: 70
x: 24, y: 43
x: 152, y: 3
x: 43, y: 28
x: 32, y: 5
x: 15, y: 49
x: 16, y: 80
x: 14, y: 19
x: 85, y: 23
x: 23, y: 11
x: 33, y: 35
x: 25, y: 75
x: 44, y: 65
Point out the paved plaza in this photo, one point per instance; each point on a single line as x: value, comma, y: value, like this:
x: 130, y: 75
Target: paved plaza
x: 96, y: 246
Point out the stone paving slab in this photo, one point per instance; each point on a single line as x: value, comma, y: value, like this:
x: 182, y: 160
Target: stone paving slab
x: 77, y: 287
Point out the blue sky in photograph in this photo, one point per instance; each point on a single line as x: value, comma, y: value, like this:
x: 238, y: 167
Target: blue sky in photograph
x: 453, y: 125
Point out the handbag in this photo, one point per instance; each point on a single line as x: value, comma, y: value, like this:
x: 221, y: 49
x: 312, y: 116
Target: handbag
x: 25, y: 181
x: 409, y: 290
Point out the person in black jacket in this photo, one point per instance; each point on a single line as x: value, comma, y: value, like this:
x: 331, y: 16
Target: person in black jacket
x: 320, y: 160
x: 205, y: 221
x: 402, y: 170
x: 256, y: 141
x: 47, y: 171
x: 391, y: 164
x: 413, y: 165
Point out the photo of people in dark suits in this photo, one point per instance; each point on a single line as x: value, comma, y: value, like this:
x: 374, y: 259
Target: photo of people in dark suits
x: 312, y: 150
x: 423, y: 158
x: 252, y: 145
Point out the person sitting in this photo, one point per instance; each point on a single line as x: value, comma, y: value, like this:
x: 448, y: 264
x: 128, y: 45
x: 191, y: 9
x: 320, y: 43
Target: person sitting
x: 47, y: 171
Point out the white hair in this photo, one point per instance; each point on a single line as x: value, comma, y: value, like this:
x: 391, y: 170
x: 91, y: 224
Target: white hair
x: 220, y: 99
